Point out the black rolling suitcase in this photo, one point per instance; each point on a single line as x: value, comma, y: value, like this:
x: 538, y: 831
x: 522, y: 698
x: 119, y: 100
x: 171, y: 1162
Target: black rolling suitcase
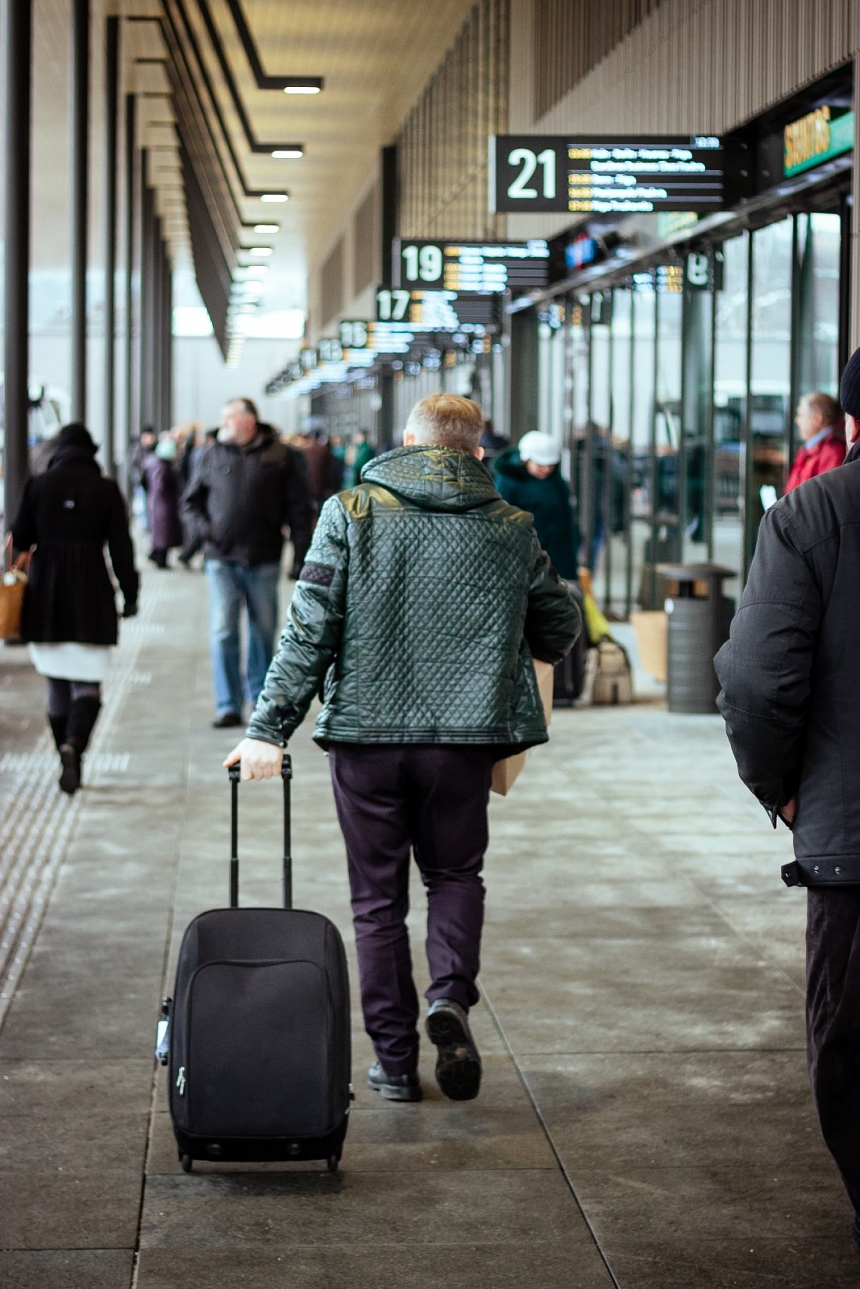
x: 259, y: 1031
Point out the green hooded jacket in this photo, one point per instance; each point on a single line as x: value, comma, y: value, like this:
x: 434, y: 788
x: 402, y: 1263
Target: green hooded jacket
x: 422, y: 603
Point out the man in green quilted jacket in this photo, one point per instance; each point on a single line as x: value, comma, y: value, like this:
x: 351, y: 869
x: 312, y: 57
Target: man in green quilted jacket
x: 423, y: 601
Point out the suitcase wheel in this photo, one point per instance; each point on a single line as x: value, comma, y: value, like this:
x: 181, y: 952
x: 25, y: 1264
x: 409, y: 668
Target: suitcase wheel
x: 186, y: 1162
x: 332, y: 1163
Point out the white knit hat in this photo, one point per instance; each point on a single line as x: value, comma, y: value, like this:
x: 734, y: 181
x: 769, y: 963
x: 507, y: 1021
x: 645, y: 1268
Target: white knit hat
x: 540, y: 448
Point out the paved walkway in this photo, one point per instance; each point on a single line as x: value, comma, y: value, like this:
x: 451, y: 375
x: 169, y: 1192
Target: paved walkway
x: 644, y: 1121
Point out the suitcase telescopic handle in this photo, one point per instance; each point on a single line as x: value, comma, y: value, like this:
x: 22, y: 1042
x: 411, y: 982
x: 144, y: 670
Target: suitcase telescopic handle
x: 287, y: 862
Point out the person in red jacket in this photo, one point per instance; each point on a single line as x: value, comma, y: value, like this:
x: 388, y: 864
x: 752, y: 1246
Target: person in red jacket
x: 820, y: 423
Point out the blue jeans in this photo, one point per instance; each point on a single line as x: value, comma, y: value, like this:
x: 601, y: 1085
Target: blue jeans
x: 231, y: 586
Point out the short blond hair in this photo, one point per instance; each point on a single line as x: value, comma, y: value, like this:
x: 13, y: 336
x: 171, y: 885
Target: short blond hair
x: 446, y: 421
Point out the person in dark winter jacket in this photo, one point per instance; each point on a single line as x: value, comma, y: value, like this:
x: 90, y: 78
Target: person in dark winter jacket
x: 162, y: 501
x: 529, y: 476
x: 246, y: 488
x: 66, y: 518
x: 791, y: 702
x: 424, y: 599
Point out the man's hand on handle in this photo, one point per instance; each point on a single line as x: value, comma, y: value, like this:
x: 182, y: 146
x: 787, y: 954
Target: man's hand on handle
x: 259, y: 760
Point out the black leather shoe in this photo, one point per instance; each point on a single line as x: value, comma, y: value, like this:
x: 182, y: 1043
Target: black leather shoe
x: 228, y: 721
x: 458, y: 1065
x: 394, y: 1087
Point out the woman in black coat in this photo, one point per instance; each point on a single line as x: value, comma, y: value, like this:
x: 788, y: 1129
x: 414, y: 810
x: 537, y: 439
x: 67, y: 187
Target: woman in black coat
x: 67, y: 516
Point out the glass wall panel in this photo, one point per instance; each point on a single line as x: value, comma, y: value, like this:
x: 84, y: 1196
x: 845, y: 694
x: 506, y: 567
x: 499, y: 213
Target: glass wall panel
x: 578, y: 360
x: 770, y: 412
x: 818, y: 249
x: 599, y: 434
x: 618, y: 594
x: 642, y: 502
x: 730, y: 364
x: 697, y: 491
x: 667, y: 422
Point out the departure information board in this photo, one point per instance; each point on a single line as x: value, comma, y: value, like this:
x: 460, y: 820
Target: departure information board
x: 437, y: 310
x: 607, y: 174
x: 477, y: 268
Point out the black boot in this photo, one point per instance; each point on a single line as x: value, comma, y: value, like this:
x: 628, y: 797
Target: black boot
x: 58, y: 726
x: 82, y: 719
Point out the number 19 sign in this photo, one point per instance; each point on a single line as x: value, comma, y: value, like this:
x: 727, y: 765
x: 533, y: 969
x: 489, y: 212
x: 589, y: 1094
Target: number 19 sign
x: 594, y: 174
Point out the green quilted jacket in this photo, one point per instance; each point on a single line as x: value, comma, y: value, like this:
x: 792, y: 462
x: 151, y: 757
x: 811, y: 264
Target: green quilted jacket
x: 422, y: 603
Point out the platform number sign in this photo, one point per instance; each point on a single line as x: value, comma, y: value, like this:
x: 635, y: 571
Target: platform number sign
x: 705, y: 271
x: 392, y: 306
x: 353, y: 334
x: 421, y: 264
x: 527, y: 174
x: 535, y: 174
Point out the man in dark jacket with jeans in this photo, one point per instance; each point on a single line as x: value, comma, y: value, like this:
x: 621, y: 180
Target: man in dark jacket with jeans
x: 247, y: 487
x: 791, y: 702
x: 423, y: 601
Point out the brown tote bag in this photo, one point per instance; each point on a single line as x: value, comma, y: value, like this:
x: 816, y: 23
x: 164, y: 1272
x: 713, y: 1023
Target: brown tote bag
x: 12, y: 586
x: 505, y: 773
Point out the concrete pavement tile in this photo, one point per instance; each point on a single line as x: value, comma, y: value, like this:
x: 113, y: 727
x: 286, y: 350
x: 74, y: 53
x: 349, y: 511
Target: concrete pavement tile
x: 731, y: 1263
x: 640, y: 995
x: 566, y: 917
x: 679, y: 1207
x: 564, y: 1264
x: 80, y: 1087
x: 66, y: 1269
x: 70, y: 1210
x: 66, y: 1143
x: 254, y: 1210
x: 677, y: 1109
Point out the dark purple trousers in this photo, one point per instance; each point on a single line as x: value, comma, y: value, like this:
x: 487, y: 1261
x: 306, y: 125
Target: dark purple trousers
x: 432, y: 800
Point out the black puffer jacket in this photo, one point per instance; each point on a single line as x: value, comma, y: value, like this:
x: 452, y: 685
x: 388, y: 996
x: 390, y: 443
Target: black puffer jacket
x: 240, y: 499
x: 791, y: 673
x: 70, y: 513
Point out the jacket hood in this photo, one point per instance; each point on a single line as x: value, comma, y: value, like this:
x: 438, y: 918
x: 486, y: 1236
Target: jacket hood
x: 433, y: 478
x: 509, y: 464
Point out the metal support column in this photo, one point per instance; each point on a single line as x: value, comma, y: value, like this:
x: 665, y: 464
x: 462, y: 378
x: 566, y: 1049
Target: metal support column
x: 18, y: 46
x: 146, y: 256
x: 388, y: 168
x: 167, y: 337
x: 79, y: 84
x: 131, y: 406
x: 111, y: 139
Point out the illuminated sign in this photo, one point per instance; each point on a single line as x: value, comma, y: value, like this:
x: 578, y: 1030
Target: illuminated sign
x: 477, y: 268
x: 607, y: 174
x: 815, y: 138
x: 437, y: 310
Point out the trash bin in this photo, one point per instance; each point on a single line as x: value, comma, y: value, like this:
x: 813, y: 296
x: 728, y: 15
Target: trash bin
x: 699, y: 617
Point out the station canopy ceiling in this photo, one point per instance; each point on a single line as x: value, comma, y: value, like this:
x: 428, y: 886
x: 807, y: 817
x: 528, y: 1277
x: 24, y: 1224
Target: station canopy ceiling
x: 210, y: 78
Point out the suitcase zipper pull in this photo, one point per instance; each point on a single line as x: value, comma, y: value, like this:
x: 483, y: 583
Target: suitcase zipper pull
x: 180, y: 1081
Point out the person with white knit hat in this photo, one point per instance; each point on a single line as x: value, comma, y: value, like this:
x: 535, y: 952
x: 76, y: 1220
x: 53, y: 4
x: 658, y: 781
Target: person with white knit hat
x: 529, y: 476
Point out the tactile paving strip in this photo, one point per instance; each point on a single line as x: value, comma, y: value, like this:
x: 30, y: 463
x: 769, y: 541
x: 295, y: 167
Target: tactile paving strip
x: 38, y: 821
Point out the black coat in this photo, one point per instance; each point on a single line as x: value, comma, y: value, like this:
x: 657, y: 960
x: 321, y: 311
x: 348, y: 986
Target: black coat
x: 791, y: 676
x: 240, y: 499
x: 163, y: 489
x: 69, y: 514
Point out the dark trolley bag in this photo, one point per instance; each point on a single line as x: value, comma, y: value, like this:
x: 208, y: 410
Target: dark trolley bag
x: 259, y: 1035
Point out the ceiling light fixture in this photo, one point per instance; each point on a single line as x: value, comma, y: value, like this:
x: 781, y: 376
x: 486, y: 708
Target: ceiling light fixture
x: 274, y: 196
x: 304, y: 85
x: 260, y: 250
x: 293, y: 153
x: 267, y: 228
